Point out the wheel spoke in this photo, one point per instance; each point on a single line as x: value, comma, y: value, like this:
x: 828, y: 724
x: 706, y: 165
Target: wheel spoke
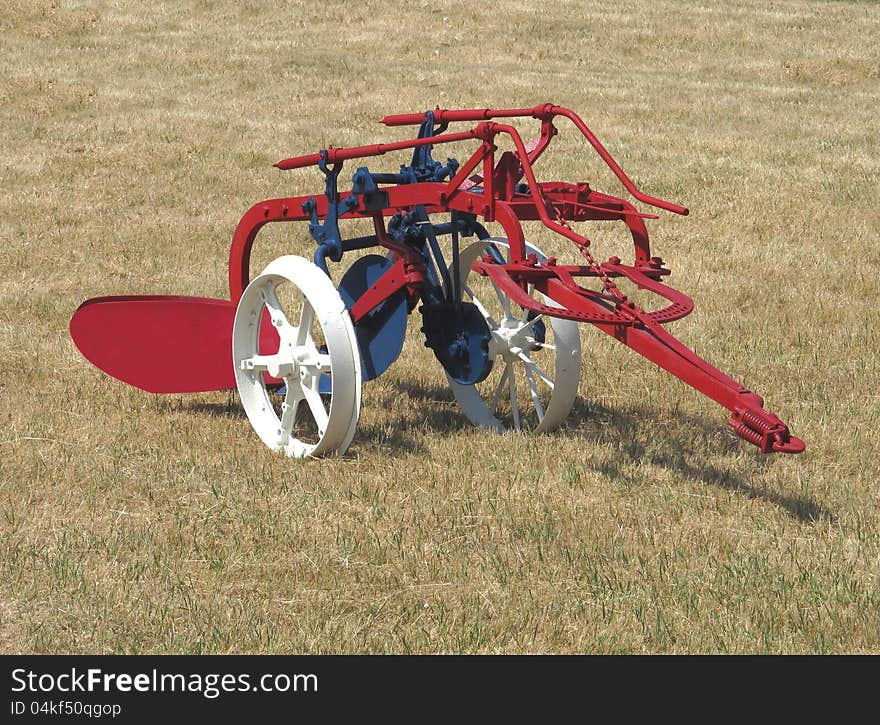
x: 525, y: 317
x: 481, y: 307
x: 513, y: 401
x: 260, y: 362
x: 543, y: 345
x: 496, y: 398
x: 517, y: 338
x: 306, y: 318
x: 300, y: 421
x: 527, y: 323
x: 288, y: 412
x: 503, y: 300
x: 316, y: 405
x: 539, y: 409
x: 286, y: 331
x: 535, y: 369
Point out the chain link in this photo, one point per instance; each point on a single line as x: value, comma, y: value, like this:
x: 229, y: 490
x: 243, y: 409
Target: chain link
x: 607, y: 284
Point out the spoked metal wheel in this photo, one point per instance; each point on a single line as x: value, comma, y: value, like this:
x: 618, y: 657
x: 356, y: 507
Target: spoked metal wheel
x: 316, y: 357
x: 536, y: 359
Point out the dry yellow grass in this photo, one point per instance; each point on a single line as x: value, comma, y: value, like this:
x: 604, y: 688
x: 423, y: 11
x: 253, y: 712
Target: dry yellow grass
x: 134, y: 134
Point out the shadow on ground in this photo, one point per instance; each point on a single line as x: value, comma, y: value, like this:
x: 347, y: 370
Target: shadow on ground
x: 230, y: 409
x: 626, y: 429
x: 412, y: 407
x: 415, y: 409
x: 623, y: 430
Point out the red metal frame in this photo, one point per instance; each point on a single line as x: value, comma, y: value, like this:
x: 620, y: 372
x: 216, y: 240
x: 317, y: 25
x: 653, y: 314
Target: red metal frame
x: 492, y: 196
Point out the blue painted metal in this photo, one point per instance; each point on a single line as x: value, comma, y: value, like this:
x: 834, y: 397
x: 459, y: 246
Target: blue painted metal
x: 327, y: 235
x: 363, y: 183
x: 424, y: 223
x: 422, y: 168
x: 454, y: 292
x: 459, y: 336
x: 496, y: 255
x: 380, y: 333
x: 409, y: 229
x: 454, y: 329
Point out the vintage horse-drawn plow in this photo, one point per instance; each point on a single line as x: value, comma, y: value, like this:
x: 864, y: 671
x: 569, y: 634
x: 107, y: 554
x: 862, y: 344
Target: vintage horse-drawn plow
x: 500, y: 316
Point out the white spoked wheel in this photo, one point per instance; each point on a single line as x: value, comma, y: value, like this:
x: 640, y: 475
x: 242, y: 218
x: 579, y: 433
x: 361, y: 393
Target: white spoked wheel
x: 317, y: 358
x: 533, y: 382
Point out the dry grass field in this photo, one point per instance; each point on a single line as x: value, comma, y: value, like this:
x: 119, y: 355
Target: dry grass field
x: 133, y: 135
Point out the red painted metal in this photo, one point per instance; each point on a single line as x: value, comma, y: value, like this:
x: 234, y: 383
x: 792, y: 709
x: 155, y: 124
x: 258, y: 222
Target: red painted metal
x: 555, y: 204
x: 162, y: 343
x: 544, y: 112
x: 335, y: 156
x: 485, y: 186
x: 401, y: 274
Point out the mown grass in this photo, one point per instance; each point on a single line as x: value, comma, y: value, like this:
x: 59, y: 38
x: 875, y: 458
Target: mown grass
x: 134, y: 135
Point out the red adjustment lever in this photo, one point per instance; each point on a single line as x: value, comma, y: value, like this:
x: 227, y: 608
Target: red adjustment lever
x: 765, y: 430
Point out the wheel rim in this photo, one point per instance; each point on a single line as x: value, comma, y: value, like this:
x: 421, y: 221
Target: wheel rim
x: 525, y: 391
x: 321, y: 344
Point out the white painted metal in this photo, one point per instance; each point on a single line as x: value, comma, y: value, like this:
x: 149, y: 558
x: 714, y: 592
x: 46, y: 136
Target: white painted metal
x: 300, y: 361
x: 540, y: 402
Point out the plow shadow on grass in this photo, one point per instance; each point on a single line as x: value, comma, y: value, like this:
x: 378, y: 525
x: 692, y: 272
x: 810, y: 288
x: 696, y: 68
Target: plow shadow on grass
x: 630, y: 431
x: 413, y: 409
x: 406, y: 406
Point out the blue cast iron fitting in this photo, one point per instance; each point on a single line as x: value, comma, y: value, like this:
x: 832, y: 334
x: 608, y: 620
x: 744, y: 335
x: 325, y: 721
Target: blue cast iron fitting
x: 459, y: 337
x: 423, y: 167
x: 327, y: 235
x: 404, y: 228
x: 363, y: 184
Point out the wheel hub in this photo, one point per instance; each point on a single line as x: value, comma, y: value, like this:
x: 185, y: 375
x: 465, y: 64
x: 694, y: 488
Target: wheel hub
x: 282, y: 367
x: 537, y: 378
x: 510, y: 338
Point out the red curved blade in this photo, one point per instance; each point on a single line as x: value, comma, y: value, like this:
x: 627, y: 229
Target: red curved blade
x: 162, y: 343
